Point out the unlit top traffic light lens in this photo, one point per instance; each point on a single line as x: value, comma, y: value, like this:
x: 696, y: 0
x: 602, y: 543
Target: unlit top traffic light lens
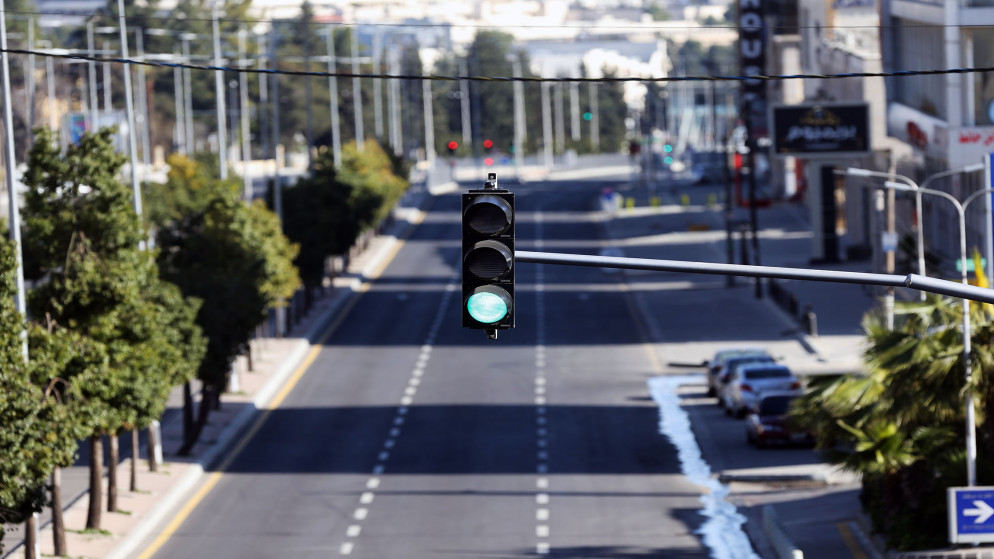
x: 488, y: 215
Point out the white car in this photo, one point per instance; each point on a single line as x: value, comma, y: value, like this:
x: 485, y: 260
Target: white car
x: 716, y: 367
x: 746, y: 382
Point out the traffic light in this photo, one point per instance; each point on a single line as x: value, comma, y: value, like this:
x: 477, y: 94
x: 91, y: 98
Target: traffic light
x: 488, y: 258
x: 488, y: 145
x: 453, y: 146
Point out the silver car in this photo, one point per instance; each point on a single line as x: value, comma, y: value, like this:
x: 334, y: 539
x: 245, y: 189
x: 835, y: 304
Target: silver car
x: 746, y: 382
x: 718, y: 365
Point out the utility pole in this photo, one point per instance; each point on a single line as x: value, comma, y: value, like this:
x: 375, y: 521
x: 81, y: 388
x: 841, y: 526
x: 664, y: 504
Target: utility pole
x: 360, y: 136
x: 130, y: 108
x: 377, y: 86
x: 243, y: 105
x: 467, y: 129
x: 222, y: 123
x: 546, y: 126
x: 336, y: 132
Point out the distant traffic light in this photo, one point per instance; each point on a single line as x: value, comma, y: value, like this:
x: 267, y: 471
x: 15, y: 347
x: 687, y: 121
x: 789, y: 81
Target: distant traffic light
x: 588, y: 116
x: 488, y: 144
x: 667, y: 148
x: 488, y: 258
x: 453, y: 146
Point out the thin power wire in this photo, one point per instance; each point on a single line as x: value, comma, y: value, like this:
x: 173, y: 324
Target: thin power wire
x: 581, y: 25
x: 434, y: 77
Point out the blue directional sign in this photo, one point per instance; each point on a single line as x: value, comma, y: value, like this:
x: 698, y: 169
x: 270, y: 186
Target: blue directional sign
x: 971, y: 514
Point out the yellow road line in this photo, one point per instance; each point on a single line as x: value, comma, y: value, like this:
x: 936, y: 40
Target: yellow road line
x: 850, y: 540
x: 275, y: 403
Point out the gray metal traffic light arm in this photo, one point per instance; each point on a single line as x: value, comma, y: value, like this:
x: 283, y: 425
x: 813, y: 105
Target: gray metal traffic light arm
x: 912, y: 281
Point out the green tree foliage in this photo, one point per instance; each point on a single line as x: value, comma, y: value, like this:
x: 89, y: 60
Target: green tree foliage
x: 901, y: 425
x: 326, y: 211
x: 228, y: 254
x: 83, y: 239
x: 37, y: 432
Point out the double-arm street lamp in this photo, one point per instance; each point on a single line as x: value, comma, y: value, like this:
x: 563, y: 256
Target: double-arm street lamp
x: 857, y: 172
x: 971, y: 438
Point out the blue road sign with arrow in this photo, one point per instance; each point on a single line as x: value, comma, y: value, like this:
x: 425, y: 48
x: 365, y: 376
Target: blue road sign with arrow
x: 971, y: 514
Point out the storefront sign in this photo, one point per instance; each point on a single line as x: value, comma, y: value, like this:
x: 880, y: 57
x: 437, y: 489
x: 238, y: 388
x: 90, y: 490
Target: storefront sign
x: 823, y: 129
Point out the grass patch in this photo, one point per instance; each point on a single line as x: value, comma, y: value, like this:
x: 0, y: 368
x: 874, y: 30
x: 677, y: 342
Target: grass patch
x: 90, y: 532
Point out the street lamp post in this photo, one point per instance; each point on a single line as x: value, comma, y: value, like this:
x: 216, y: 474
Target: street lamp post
x: 857, y: 172
x: 971, y: 435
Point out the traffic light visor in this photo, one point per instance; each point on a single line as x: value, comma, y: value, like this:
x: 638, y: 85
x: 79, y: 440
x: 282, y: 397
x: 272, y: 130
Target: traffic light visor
x: 488, y: 304
x: 488, y: 215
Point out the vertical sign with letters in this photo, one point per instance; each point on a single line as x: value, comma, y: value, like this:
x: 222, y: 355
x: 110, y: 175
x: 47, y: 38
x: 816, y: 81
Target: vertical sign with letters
x: 752, y: 61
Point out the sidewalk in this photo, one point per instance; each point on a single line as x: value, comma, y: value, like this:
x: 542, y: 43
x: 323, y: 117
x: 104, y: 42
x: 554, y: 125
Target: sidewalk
x: 159, y: 492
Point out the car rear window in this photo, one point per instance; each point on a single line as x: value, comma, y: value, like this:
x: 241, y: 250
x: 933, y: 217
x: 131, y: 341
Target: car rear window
x: 732, y: 363
x: 775, y: 405
x: 759, y: 374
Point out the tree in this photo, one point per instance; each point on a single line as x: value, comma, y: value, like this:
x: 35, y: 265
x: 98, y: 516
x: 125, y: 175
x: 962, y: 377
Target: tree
x: 326, y: 211
x: 82, y: 237
x: 901, y: 425
x: 234, y: 258
x: 37, y: 434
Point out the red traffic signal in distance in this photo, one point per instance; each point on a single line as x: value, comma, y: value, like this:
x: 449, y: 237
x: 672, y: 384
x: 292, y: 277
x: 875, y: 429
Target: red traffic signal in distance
x: 487, y: 144
x: 453, y: 146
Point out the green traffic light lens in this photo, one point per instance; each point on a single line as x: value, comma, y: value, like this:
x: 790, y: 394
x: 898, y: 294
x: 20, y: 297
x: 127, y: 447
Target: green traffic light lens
x: 668, y: 160
x: 486, y: 307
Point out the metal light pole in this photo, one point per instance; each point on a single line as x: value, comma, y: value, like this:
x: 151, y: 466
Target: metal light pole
x: 360, y: 138
x: 130, y: 108
x: 15, y: 220
x: 519, y: 112
x: 91, y: 68
x: 222, y: 123
x: 336, y: 132
x: 243, y: 108
x: 188, y: 92
x: 857, y: 172
x: 971, y: 435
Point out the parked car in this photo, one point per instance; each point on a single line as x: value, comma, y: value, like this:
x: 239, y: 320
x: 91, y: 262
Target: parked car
x: 717, y: 363
x: 746, y: 382
x: 767, y: 422
x: 725, y: 373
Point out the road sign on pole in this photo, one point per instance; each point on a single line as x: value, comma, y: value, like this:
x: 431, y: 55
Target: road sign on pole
x: 971, y: 514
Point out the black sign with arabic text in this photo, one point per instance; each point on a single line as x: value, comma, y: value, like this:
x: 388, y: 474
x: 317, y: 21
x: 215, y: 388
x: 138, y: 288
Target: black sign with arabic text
x: 826, y: 129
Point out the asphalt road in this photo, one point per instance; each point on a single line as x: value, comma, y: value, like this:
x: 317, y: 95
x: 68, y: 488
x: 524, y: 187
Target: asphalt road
x: 410, y: 436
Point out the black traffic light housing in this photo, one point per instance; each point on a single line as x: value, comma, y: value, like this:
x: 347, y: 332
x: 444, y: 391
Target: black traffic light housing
x: 488, y: 258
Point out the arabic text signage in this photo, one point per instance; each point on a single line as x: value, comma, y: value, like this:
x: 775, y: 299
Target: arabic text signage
x: 971, y: 514
x: 823, y: 129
